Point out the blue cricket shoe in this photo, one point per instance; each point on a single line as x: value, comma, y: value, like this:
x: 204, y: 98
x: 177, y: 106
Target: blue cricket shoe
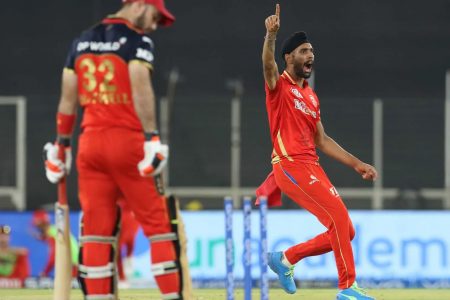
x: 285, y: 274
x: 353, y: 293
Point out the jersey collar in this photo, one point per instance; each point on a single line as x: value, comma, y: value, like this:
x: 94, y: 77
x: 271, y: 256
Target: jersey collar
x: 288, y: 77
x: 113, y: 19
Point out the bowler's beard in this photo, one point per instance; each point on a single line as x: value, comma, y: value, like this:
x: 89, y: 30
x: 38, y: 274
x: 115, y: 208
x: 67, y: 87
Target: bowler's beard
x: 298, y: 71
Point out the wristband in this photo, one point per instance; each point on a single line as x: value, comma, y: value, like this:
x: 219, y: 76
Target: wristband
x: 64, y: 141
x: 152, y: 136
x: 65, y: 123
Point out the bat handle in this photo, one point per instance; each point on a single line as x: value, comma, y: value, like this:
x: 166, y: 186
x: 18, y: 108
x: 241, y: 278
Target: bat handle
x: 62, y: 190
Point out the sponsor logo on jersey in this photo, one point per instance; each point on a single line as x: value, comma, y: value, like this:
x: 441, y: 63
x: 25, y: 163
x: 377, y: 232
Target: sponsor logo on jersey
x: 314, y: 179
x: 300, y: 105
x: 144, y: 54
x: 313, y: 100
x: 98, y: 46
x: 296, y: 93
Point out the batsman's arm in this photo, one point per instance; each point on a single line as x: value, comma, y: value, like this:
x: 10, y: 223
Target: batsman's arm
x: 67, y: 104
x: 270, y: 67
x: 328, y: 146
x: 58, y: 156
x: 143, y: 95
x: 155, y: 154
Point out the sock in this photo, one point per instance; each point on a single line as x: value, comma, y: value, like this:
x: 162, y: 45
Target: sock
x: 164, y: 252
x: 285, y: 261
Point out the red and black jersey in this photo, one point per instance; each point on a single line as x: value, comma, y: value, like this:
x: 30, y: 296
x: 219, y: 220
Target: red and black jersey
x: 100, y: 57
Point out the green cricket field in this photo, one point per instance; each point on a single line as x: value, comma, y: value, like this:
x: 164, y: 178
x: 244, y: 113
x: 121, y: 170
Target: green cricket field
x: 219, y: 294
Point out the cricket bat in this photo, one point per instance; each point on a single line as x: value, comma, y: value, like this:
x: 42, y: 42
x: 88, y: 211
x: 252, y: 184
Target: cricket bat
x: 63, y: 260
x: 181, y: 249
x: 187, y: 290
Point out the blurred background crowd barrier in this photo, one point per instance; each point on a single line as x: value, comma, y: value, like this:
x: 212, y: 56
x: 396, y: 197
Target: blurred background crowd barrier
x: 222, y: 147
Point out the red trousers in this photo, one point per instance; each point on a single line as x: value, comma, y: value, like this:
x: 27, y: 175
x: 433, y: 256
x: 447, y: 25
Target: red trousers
x: 128, y: 230
x: 308, y: 185
x: 107, y: 169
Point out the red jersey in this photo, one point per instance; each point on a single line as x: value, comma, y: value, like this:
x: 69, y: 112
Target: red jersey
x: 293, y: 113
x: 100, y: 58
x: 14, y: 264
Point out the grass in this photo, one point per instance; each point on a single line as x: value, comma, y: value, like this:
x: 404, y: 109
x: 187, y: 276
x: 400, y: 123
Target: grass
x: 215, y: 294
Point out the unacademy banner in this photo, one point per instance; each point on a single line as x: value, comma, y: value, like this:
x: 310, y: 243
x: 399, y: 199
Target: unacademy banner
x: 403, y: 246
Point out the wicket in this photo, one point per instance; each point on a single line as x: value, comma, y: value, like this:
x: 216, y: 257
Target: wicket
x: 229, y: 251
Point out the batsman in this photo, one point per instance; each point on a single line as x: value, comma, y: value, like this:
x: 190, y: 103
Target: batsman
x: 108, y: 72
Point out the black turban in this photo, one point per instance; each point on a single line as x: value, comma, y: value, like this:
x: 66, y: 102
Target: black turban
x: 293, y: 42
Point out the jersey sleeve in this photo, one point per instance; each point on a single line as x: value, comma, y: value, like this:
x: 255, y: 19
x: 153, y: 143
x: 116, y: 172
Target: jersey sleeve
x: 143, y: 53
x: 71, y: 56
x: 272, y: 95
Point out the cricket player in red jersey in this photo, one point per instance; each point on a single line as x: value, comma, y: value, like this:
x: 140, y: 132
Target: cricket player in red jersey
x: 14, y: 262
x: 108, y: 71
x: 48, y: 233
x: 296, y: 131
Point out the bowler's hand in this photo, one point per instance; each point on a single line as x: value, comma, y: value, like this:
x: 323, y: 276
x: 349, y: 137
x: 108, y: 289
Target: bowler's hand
x: 367, y: 171
x: 273, y: 21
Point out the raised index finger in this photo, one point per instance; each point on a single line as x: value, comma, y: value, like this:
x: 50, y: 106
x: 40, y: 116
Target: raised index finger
x: 277, y: 10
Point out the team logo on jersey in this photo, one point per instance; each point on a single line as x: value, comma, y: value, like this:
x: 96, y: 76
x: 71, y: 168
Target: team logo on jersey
x: 313, y: 100
x: 144, y: 54
x: 314, y: 179
x: 296, y: 93
x: 300, y: 105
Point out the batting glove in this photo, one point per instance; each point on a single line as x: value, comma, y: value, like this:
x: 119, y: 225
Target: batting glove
x: 155, y: 157
x: 55, y: 168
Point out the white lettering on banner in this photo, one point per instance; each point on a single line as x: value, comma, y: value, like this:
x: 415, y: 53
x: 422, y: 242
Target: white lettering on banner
x: 300, y: 105
x: 98, y: 46
x: 144, y: 54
